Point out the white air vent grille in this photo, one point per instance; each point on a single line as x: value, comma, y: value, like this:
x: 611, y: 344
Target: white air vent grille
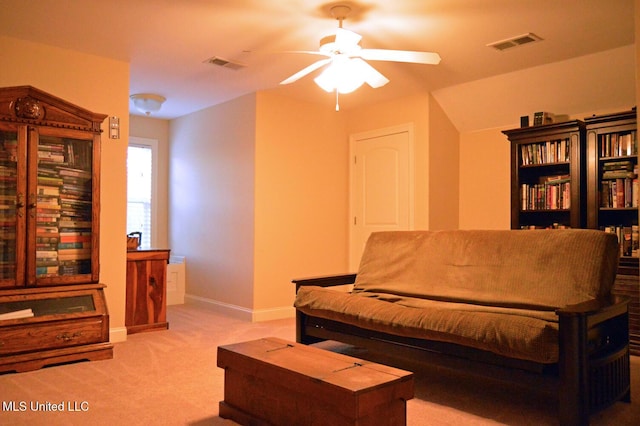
x: 214, y: 60
x: 514, y: 41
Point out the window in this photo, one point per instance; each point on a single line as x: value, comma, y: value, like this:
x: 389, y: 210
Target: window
x: 141, y: 157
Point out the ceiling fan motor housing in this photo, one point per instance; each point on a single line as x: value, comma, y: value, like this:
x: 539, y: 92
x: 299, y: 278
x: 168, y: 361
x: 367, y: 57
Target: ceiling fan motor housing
x: 329, y: 46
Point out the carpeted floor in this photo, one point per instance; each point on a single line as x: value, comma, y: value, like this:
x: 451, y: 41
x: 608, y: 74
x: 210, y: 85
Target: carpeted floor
x: 170, y: 378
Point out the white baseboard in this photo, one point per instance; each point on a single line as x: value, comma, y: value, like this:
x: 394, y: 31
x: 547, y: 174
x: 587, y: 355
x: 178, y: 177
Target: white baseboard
x: 274, y: 313
x: 240, y: 312
x: 118, y: 334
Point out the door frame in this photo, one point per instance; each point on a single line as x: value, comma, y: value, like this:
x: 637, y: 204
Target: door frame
x: 357, y: 137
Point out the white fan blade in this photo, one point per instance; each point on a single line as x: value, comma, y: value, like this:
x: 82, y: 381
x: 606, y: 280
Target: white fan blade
x: 371, y: 75
x: 311, y: 68
x: 306, y: 52
x: 400, y: 56
x: 347, y: 40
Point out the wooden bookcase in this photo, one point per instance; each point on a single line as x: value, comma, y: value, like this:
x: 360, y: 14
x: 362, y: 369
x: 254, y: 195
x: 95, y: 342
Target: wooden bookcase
x: 612, y: 199
x: 547, y: 176
x: 49, y: 229
x: 601, y: 164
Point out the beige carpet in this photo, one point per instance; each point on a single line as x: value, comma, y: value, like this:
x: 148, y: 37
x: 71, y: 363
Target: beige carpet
x: 170, y: 378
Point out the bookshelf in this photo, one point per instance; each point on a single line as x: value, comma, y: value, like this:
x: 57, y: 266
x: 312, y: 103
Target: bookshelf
x: 598, y: 158
x: 612, y: 199
x: 49, y: 230
x: 547, y: 176
x: 612, y: 179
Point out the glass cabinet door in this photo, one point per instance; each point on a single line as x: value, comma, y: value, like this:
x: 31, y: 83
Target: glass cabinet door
x: 12, y: 203
x: 63, y: 209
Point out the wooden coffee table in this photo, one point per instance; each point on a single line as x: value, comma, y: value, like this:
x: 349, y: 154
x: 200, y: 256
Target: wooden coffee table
x: 273, y: 381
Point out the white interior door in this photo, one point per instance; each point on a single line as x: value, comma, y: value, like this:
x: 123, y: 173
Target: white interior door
x: 381, y: 185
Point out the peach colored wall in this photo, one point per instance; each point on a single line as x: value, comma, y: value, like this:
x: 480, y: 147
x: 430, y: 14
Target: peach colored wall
x: 484, y: 180
x: 211, y: 187
x: 413, y: 109
x: 101, y: 85
x: 301, y: 194
x: 444, y: 167
x: 152, y: 128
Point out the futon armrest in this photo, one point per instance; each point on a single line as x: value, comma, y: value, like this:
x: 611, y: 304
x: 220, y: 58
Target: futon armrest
x: 606, y: 308
x: 325, y: 280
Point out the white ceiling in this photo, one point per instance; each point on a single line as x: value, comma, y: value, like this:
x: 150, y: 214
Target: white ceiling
x: 167, y: 41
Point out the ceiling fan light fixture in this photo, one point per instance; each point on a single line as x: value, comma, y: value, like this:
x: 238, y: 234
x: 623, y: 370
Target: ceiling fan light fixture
x: 342, y: 75
x: 147, y: 102
x: 346, y: 63
x: 369, y: 74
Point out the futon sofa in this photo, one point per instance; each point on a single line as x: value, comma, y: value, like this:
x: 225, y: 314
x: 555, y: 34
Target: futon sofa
x: 534, y: 306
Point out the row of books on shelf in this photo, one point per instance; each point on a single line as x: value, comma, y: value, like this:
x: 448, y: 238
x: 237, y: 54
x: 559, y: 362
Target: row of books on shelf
x: 71, y: 267
x: 63, y: 251
x: 551, y: 193
x: 67, y: 152
x: 628, y: 237
x: 619, y: 193
x: 54, y: 254
x: 554, y: 225
x: 618, y: 144
x: 9, y: 147
x: 8, y: 192
x: 7, y: 269
x: 67, y: 191
x: 548, y: 152
x: 619, y: 186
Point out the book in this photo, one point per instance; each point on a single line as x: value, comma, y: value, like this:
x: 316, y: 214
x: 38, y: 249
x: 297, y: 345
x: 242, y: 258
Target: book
x: 626, y: 241
x: 22, y: 313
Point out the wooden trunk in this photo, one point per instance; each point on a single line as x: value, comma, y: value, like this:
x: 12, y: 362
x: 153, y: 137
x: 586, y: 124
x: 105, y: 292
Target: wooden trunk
x: 273, y: 381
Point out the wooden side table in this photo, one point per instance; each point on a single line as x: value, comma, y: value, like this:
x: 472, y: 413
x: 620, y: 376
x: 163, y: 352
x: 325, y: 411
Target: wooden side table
x: 273, y: 381
x: 146, y: 303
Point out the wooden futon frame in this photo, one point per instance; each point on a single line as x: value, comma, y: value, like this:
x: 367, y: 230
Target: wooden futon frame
x: 592, y: 372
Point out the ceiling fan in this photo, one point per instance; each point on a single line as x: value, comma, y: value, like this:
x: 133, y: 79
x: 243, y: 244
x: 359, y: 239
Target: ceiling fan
x: 347, y: 68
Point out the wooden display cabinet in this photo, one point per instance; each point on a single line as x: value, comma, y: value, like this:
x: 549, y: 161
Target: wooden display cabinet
x: 146, y: 305
x: 49, y: 230
x: 612, y: 200
x: 547, y: 176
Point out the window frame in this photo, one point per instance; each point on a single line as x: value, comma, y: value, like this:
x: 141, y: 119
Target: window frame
x: 153, y: 145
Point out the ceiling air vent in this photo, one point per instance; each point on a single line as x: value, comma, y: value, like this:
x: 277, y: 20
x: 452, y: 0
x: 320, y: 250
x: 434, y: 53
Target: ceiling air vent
x: 224, y: 63
x: 514, y: 41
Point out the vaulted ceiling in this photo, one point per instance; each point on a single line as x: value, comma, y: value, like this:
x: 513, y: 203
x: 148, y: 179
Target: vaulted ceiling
x: 168, y: 42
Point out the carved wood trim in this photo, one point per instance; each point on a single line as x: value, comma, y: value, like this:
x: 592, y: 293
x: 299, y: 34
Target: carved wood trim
x: 28, y: 105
